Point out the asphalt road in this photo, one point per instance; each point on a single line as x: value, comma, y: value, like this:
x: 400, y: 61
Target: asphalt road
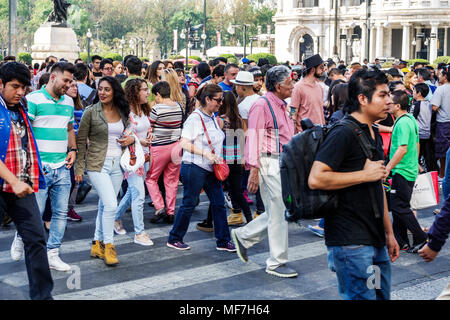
x: 203, y: 273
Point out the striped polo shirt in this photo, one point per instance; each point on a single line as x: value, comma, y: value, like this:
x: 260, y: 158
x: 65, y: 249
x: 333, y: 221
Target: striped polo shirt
x: 50, y: 119
x: 166, y: 123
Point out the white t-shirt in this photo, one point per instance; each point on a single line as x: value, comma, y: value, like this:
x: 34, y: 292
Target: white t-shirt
x: 115, y: 130
x: 246, y: 104
x: 142, y: 125
x: 194, y: 132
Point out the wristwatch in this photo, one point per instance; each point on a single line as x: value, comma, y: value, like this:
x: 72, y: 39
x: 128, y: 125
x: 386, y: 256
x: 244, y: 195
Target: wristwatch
x: 73, y: 149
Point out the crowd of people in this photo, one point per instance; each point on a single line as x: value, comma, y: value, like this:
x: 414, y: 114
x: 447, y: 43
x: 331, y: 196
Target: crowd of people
x: 130, y: 128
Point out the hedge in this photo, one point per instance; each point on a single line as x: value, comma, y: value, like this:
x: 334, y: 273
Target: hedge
x: 196, y: 58
x: 24, y: 56
x: 443, y: 59
x: 256, y: 56
x: 412, y: 61
x: 230, y: 57
x: 113, y: 56
x: 176, y: 57
x: 387, y: 65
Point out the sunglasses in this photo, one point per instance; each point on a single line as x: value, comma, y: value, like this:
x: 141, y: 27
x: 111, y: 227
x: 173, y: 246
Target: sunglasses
x: 218, y: 100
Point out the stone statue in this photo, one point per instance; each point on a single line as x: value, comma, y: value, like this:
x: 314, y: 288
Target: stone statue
x: 59, y: 13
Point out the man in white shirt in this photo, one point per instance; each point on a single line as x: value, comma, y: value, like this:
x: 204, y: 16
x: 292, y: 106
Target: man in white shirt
x: 244, y: 88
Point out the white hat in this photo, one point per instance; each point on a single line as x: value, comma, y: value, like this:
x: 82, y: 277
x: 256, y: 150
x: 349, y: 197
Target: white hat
x: 244, y: 78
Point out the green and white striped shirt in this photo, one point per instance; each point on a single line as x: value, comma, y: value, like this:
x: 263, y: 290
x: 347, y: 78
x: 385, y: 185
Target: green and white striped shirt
x: 50, y: 119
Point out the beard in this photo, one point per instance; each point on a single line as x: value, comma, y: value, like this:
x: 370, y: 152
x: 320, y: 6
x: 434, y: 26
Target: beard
x: 317, y: 75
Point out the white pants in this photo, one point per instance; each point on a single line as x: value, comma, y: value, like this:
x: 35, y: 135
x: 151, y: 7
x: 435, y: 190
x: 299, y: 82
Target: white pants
x: 271, y: 223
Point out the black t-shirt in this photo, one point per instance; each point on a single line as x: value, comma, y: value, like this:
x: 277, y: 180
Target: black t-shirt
x: 354, y: 221
x: 389, y: 121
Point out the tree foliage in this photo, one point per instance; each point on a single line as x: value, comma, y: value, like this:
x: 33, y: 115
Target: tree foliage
x: 151, y: 20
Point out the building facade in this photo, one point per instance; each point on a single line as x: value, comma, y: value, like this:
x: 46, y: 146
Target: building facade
x: 385, y: 29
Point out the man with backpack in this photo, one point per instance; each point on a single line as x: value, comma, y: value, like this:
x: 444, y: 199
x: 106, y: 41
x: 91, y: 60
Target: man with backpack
x: 269, y: 128
x: 358, y: 233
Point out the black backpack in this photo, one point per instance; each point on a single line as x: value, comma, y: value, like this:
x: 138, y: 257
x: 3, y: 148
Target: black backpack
x: 296, y: 162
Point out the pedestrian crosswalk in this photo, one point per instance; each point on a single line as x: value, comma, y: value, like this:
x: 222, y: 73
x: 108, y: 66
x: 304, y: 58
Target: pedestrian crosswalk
x: 158, y: 272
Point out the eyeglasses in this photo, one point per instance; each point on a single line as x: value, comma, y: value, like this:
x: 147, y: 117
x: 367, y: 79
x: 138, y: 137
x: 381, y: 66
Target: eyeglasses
x: 218, y: 100
x: 108, y: 69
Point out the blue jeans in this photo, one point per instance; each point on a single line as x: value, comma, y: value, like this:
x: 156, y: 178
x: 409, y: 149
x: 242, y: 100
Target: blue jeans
x: 107, y: 183
x: 135, y: 196
x: 363, y: 272
x: 194, y: 179
x: 446, y: 181
x: 58, y: 189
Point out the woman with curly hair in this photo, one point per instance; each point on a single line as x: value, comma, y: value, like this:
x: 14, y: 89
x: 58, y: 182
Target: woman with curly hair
x: 103, y: 124
x: 137, y: 92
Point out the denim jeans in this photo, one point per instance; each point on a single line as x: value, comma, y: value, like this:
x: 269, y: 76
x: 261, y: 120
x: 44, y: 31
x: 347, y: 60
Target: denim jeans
x: 135, y: 196
x: 58, y: 189
x: 25, y: 214
x: 107, y: 183
x: 194, y: 179
x: 363, y: 272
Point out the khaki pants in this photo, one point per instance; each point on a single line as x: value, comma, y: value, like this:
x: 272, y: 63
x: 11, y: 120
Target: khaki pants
x: 271, y: 223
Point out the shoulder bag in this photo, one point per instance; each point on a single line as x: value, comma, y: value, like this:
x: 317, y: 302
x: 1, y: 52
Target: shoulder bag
x: 221, y: 170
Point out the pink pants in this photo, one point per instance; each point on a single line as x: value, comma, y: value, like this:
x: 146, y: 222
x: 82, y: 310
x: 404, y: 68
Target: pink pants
x: 164, y: 159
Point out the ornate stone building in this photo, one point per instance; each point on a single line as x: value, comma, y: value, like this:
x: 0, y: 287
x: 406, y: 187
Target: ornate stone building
x: 403, y: 29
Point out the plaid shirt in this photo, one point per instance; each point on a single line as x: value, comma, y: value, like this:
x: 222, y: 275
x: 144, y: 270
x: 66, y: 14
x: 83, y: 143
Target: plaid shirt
x: 14, y: 158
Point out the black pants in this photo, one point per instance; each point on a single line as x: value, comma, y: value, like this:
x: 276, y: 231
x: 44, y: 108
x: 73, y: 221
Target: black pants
x: 238, y: 200
x: 259, y: 203
x: 427, y: 151
x: 403, y: 217
x: 25, y: 214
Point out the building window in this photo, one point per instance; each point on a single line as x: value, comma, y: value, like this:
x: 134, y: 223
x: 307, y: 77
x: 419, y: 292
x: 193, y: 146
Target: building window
x: 308, y: 3
x: 352, y: 3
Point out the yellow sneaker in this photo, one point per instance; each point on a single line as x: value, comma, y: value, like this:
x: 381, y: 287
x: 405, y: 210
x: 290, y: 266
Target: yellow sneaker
x: 256, y: 214
x: 235, y: 218
x: 110, y: 255
x: 98, y: 250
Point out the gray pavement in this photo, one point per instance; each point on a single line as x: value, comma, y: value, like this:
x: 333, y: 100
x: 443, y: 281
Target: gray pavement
x: 203, y: 273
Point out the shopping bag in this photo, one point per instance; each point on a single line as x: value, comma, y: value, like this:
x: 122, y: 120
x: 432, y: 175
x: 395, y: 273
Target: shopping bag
x: 426, y: 191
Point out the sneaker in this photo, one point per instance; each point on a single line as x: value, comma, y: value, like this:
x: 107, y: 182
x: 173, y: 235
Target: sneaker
x: 235, y: 219
x: 229, y: 246
x: 55, y: 262
x: 118, y: 227
x: 436, y: 211
x: 73, y: 216
x: 245, y: 194
x: 17, y: 248
x: 415, y: 249
x: 228, y: 201
x: 205, y: 226
x: 318, y: 231
x: 283, y: 272
x: 240, y: 249
x: 143, y: 239
x: 82, y: 192
x: 405, y: 247
x: 257, y: 214
x: 170, y: 218
x: 178, y: 245
x: 158, y: 216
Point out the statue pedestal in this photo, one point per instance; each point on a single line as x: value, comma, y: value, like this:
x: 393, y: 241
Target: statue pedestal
x: 56, y: 40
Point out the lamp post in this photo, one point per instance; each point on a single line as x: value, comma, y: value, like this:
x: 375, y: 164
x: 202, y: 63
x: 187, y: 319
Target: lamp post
x: 122, y: 44
x: 231, y: 30
x: 12, y: 47
x: 89, y: 36
x: 185, y: 34
x: 97, y: 26
x: 203, y: 36
x: 251, y: 43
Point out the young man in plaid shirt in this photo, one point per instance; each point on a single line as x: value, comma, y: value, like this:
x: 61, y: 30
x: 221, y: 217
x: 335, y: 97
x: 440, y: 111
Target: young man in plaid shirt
x: 21, y: 176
